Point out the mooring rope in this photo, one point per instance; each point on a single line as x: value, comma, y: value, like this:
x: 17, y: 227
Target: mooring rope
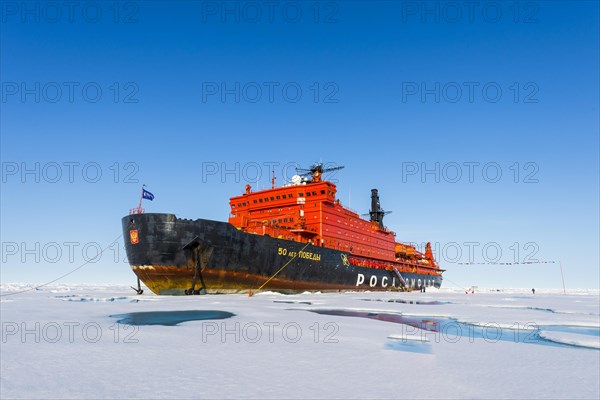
x: 280, y: 269
x: 67, y: 274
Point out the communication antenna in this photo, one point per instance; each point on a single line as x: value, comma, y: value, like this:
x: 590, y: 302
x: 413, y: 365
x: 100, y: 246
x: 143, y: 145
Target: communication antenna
x: 349, y: 195
x: 563, y: 277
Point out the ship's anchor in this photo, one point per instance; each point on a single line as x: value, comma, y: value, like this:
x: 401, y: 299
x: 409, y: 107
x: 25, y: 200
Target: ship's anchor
x: 139, y: 289
x: 201, y: 255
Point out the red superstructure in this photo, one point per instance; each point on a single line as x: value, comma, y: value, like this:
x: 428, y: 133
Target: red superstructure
x: 308, y: 211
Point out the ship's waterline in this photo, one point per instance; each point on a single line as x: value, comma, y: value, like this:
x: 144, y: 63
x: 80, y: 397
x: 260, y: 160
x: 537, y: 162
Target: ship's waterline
x: 175, y: 280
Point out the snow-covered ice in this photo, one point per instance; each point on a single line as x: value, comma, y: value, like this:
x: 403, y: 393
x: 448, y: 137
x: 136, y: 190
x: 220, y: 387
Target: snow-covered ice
x: 574, y: 339
x: 65, y: 342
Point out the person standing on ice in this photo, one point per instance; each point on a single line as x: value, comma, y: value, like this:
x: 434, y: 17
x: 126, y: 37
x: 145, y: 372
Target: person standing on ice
x: 533, y: 290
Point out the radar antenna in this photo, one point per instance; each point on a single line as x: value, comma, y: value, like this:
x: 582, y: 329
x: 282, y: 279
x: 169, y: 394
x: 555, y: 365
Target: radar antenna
x: 316, y: 171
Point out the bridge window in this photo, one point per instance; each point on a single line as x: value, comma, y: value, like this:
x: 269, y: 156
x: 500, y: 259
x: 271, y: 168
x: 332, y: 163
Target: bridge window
x: 260, y: 200
x: 322, y: 192
x: 300, y: 194
x: 272, y: 198
x: 278, y: 197
x: 307, y: 194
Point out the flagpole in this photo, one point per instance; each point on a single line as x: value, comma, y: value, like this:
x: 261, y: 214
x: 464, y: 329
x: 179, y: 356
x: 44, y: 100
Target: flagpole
x: 141, y: 198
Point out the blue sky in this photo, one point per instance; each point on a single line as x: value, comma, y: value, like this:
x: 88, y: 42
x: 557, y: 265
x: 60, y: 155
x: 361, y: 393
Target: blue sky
x: 386, y: 87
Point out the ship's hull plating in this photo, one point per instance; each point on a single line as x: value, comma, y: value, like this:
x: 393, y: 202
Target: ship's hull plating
x: 157, y: 252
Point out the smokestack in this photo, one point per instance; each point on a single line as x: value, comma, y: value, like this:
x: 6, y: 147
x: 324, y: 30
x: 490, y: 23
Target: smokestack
x: 376, y: 212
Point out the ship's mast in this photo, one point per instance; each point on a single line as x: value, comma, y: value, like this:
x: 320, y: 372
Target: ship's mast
x: 273, y: 179
x: 316, y: 172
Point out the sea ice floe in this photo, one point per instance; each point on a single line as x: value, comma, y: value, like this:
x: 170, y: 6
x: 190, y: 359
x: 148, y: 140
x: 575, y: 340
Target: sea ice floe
x: 122, y: 299
x: 571, y: 339
x: 418, y: 302
x: 409, y: 343
x: 449, y: 328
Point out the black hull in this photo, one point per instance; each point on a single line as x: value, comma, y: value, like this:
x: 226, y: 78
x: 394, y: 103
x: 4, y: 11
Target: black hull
x: 164, y: 252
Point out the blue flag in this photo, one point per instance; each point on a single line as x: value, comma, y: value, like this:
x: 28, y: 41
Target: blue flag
x: 147, y: 195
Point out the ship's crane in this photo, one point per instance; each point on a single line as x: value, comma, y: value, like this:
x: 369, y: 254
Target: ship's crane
x: 316, y: 171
